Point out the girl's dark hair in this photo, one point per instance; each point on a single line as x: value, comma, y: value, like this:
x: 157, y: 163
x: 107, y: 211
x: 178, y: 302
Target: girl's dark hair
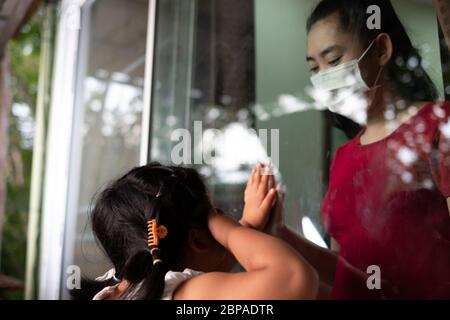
x: 405, y: 71
x: 175, y: 196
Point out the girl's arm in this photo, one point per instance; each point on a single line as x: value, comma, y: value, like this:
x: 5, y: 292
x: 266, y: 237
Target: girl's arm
x: 323, y: 260
x: 273, y: 269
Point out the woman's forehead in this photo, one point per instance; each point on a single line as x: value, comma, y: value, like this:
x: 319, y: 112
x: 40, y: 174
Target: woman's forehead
x: 325, y: 37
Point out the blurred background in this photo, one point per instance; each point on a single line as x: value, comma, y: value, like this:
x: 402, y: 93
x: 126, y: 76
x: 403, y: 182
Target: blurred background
x: 91, y: 88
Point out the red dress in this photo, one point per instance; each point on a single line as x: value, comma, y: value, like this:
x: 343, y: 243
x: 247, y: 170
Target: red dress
x: 386, y: 206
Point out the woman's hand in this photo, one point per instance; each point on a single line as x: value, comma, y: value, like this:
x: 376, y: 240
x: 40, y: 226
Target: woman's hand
x: 259, y: 198
x: 277, y: 222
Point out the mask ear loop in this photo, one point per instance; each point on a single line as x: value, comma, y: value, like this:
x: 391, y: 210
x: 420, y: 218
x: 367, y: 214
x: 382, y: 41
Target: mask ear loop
x: 374, y: 86
x: 373, y: 89
x: 367, y: 50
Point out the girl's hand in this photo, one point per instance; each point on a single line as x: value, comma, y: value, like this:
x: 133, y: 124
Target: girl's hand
x: 259, y: 198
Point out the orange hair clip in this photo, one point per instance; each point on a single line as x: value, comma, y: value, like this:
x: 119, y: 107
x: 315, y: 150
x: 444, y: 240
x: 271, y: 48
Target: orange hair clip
x: 155, y: 232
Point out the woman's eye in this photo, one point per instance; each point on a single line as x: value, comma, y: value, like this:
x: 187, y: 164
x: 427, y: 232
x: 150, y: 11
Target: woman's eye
x: 314, y: 69
x: 335, y: 61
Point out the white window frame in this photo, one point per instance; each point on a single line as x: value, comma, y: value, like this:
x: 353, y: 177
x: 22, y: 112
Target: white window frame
x: 148, y: 83
x: 62, y: 162
x: 59, y: 140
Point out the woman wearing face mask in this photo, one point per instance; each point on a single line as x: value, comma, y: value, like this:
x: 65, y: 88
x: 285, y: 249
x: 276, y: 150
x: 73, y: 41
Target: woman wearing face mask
x: 387, y: 206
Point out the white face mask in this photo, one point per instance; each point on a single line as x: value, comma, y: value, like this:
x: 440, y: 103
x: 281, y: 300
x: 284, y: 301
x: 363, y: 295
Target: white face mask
x: 341, y: 89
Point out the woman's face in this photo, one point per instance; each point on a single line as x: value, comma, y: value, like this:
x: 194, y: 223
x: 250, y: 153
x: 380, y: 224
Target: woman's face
x: 329, y: 46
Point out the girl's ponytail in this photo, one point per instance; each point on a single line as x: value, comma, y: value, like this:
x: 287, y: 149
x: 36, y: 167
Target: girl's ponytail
x: 145, y: 276
x: 148, y: 264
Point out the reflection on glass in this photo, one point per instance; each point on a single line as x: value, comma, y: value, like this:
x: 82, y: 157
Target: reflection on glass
x: 204, y: 73
x: 111, y: 93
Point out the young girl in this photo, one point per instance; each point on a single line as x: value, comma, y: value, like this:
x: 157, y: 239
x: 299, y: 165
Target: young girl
x: 167, y: 241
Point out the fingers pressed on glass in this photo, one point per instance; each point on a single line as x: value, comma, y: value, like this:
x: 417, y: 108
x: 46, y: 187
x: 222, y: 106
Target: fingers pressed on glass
x: 269, y: 200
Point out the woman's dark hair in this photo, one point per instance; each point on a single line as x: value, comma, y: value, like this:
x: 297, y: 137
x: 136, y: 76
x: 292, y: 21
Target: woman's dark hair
x: 175, y: 196
x: 406, y: 74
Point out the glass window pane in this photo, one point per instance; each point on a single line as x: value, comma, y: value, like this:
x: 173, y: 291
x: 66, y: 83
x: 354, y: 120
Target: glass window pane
x: 204, y: 82
x: 223, y: 67
x: 112, y: 63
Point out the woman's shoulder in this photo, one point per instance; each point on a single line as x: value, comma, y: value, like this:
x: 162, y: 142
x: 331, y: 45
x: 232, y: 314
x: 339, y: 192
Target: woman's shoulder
x: 435, y: 116
x: 435, y: 111
x: 349, y: 146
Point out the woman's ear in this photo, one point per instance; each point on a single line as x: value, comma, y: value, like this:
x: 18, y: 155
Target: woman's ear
x: 384, y: 49
x: 198, y: 241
